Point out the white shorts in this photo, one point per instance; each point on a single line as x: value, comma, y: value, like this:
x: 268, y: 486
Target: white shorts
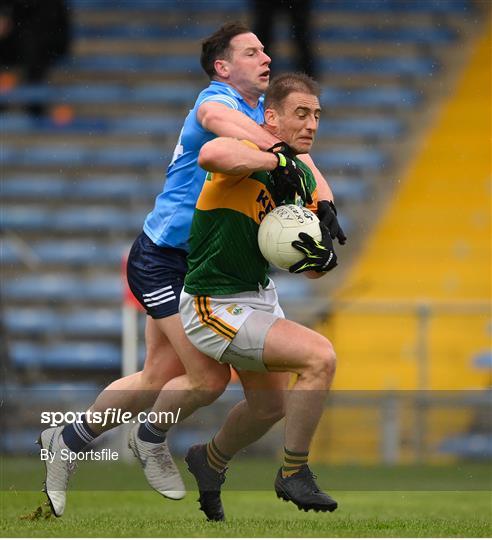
x: 231, y: 328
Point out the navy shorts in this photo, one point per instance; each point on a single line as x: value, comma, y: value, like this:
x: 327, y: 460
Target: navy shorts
x: 156, y: 276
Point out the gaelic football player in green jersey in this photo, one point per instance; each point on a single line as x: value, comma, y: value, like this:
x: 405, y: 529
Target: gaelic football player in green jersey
x: 229, y: 306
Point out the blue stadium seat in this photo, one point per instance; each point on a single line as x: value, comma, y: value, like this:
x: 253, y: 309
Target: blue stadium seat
x: 73, y: 155
x: 37, y: 321
x: 152, y: 125
x: 137, y: 125
x: 107, y: 63
x: 109, y: 186
x: 32, y: 321
x: 162, y: 93
x: 468, y: 446
x: 410, y: 6
x: 405, y: 34
x: 78, y: 252
x: 349, y: 189
x: 115, y: 187
x: 103, y: 93
x: 132, y: 125
x: 93, y: 93
x: 20, y: 218
x: 390, y: 96
x: 79, y: 355
x: 34, y: 186
x: 78, y: 219
x: 130, y: 156
x: 51, y: 287
x: 132, y: 63
x: 62, y: 288
x: 350, y: 159
x: 49, y: 392
x: 373, y: 126
x: 41, y: 93
x: 395, y: 65
x: 10, y: 252
x: 190, y: 6
x: 17, y: 123
x: 8, y: 155
x: 146, y: 32
x: 104, y: 289
x: 98, y: 218
x: 103, y: 322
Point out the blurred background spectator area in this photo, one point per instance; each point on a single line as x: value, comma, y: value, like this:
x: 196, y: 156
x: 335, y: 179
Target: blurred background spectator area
x: 84, y: 148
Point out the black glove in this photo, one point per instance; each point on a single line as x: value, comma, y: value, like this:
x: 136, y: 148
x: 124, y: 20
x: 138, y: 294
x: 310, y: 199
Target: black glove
x: 288, y: 179
x: 283, y: 148
x: 320, y: 256
x: 327, y: 214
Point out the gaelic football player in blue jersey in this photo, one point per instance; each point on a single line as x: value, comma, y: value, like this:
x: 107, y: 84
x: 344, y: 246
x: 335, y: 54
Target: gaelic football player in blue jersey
x: 232, y: 106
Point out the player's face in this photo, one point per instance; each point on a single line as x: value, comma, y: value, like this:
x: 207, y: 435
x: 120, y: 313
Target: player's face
x: 248, y: 66
x: 297, y: 121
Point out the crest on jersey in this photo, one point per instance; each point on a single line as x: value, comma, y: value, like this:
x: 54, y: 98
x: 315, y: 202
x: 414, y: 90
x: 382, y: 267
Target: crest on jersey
x: 234, y: 309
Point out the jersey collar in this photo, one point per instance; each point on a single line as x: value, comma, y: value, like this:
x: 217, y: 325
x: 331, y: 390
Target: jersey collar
x: 233, y: 92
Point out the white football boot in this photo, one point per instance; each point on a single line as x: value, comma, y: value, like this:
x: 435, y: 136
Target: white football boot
x: 158, y: 465
x: 58, y: 470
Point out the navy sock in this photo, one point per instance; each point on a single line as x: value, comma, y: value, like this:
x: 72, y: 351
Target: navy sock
x: 151, y: 433
x: 77, y: 435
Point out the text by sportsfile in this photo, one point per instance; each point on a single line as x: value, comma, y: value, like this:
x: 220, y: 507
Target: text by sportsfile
x: 68, y: 455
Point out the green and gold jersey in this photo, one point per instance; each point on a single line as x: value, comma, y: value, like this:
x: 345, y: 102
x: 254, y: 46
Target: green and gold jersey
x: 224, y: 256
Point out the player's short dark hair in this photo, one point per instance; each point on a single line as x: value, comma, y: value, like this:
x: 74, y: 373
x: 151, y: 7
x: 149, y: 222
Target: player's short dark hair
x: 283, y: 85
x: 217, y: 45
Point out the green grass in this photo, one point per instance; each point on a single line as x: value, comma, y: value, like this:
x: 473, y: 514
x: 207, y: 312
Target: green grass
x: 254, y: 514
x: 361, y: 513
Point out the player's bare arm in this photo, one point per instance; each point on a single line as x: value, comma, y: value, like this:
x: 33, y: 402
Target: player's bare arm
x: 234, y: 157
x: 227, y: 122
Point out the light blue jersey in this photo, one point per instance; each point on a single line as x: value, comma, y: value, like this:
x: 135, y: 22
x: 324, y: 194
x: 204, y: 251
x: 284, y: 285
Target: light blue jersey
x: 169, y: 223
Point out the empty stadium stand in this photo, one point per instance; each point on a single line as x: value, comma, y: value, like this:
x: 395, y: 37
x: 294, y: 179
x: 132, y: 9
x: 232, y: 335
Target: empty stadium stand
x: 75, y: 191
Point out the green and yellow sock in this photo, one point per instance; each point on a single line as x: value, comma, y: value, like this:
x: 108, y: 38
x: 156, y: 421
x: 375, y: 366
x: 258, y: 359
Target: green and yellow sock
x: 293, y: 461
x: 215, y: 458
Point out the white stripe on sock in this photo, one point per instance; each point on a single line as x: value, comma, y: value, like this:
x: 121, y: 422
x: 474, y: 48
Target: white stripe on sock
x: 155, y: 430
x: 82, y: 433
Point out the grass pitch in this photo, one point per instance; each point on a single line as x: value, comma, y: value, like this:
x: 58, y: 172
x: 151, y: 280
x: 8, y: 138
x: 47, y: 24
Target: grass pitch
x: 143, y: 513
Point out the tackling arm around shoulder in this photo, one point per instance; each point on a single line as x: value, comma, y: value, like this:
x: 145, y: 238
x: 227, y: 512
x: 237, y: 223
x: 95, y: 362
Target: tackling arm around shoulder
x: 230, y: 156
x: 227, y: 122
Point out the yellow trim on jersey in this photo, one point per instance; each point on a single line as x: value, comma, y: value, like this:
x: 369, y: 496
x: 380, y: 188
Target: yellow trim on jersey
x: 314, y: 206
x: 207, y: 318
x: 236, y: 192
x: 242, y: 194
